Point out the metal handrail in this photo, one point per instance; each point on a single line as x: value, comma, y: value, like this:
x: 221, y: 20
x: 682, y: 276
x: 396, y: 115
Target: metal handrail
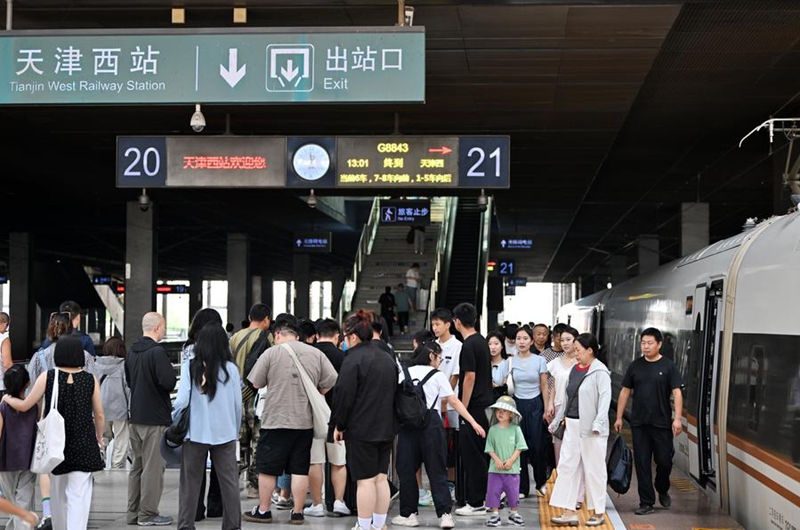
x: 364, y: 249
x: 442, y: 244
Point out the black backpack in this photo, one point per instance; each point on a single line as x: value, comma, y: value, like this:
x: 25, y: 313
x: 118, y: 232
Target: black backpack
x: 410, y: 405
x: 259, y: 346
x: 619, y: 466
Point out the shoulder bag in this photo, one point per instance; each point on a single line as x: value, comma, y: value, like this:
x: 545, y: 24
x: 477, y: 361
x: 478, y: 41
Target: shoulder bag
x: 559, y: 432
x: 320, y: 410
x: 510, y: 378
x: 50, y: 436
x: 179, y: 428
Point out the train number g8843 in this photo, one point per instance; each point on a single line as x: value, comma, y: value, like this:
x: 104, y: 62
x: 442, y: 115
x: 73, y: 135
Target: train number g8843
x: 393, y: 147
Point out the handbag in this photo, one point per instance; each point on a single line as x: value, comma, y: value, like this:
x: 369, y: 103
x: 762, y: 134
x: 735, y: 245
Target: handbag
x: 619, y: 466
x: 179, y: 428
x: 510, y: 378
x: 50, y: 437
x: 320, y: 410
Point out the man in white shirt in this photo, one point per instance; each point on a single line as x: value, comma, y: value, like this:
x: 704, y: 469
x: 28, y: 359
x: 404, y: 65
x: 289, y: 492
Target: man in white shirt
x: 412, y: 282
x: 441, y: 323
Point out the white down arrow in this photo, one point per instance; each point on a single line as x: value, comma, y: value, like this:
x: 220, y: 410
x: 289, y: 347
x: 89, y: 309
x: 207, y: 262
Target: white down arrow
x: 232, y: 75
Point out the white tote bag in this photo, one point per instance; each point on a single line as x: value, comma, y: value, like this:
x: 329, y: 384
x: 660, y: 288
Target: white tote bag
x: 510, y: 379
x: 50, y: 437
x: 319, y: 407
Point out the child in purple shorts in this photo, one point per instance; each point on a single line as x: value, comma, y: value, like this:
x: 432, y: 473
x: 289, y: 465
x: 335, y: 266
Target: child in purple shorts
x: 504, y: 443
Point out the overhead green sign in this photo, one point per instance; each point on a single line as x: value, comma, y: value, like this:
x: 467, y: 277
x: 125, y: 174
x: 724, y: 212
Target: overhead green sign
x: 319, y: 65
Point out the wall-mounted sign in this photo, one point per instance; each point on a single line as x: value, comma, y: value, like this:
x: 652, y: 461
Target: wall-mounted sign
x: 516, y: 282
x: 505, y: 267
x: 510, y: 290
x: 406, y: 212
x: 313, y: 242
x: 365, y: 162
x: 3, y: 279
x: 102, y: 280
x: 516, y: 242
x: 259, y: 65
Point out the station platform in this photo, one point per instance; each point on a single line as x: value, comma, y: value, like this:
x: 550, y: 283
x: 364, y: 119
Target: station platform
x: 690, y: 510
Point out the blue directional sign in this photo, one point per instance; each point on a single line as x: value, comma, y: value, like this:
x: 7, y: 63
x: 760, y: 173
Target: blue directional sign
x: 313, y: 242
x: 102, y: 280
x: 517, y: 282
x: 406, y: 212
x: 505, y: 267
x: 259, y: 65
x: 516, y: 242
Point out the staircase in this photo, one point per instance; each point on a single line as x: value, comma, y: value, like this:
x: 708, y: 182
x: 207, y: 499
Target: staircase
x: 462, y: 277
x: 386, y: 265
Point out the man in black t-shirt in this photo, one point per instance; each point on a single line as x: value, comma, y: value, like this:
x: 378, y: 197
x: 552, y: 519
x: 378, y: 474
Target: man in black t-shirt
x: 475, y: 391
x: 653, y: 379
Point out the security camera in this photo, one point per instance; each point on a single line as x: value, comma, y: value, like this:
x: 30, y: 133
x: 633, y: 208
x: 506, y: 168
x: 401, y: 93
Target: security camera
x: 312, y: 200
x: 409, y: 15
x: 198, y: 121
x: 483, y: 201
x: 144, y: 201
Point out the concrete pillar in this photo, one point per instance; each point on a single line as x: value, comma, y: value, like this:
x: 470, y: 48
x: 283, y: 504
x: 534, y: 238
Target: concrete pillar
x: 195, y: 291
x: 257, y: 289
x: 648, y: 253
x: 22, y: 306
x: 779, y: 188
x: 141, y: 268
x: 619, y: 269
x: 302, y: 284
x: 694, y: 227
x: 239, y: 278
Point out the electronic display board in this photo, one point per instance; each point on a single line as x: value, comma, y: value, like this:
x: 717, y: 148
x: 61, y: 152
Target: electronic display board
x: 365, y: 162
x: 313, y: 242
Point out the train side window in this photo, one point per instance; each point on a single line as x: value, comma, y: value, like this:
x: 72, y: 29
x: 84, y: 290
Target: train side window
x: 755, y: 386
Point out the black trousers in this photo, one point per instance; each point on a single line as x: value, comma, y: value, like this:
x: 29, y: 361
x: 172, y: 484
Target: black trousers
x: 402, y: 320
x: 652, y: 443
x: 425, y: 446
x: 473, y: 459
x: 533, y: 429
x: 389, y: 318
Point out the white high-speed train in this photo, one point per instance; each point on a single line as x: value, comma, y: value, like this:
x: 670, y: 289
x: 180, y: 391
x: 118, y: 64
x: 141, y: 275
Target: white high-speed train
x: 728, y: 317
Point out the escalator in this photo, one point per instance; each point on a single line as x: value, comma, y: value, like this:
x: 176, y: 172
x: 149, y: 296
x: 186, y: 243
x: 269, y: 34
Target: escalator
x: 463, y: 268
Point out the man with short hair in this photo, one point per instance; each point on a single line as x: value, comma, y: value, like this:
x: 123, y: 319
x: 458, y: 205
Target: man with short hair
x: 387, y: 304
x: 328, y: 336
x: 404, y: 303
x: 241, y: 343
x: 74, y: 310
x: 475, y: 392
x: 652, y: 378
x: 287, y: 425
x: 151, y: 378
x: 540, y: 335
x: 441, y: 324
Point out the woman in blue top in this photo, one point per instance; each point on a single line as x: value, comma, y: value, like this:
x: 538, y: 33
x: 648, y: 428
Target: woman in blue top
x: 529, y: 372
x: 210, y: 382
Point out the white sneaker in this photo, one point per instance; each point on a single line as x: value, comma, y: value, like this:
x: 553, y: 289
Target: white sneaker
x: 469, y: 511
x: 340, y: 508
x: 315, y: 510
x: 411, y: 520
x: 447, y: 521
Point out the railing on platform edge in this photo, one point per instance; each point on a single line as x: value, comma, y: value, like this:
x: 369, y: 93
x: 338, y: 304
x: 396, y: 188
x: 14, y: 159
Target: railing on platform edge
x: 364, y: 249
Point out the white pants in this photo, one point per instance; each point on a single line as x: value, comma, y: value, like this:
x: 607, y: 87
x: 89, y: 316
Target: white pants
x: 582, y: 459
x: 71, y: 496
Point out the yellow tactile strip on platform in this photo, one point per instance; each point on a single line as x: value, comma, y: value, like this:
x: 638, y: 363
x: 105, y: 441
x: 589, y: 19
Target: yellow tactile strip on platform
x: 546, y: 511
x: 683, y: 485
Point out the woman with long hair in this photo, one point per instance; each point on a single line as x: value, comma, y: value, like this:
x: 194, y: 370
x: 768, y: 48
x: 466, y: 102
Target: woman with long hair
x: 203, y: 317
x: 78, y: 401
x: 497, y: 350
x: 428, y: 445
x: 531, y: 392
x: 211, y: 387
x: 583, y: 448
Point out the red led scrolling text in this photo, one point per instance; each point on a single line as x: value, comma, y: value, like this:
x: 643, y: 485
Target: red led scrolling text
x: 224, y: 162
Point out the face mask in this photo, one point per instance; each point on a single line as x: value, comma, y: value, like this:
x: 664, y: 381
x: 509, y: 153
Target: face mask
x: 345, y: 347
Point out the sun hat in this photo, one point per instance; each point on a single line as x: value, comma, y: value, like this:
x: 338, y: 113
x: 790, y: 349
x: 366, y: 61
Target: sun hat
x: 506, y: 403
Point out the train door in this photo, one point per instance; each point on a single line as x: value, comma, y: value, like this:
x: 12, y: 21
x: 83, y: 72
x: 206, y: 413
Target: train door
x: 707, y: 330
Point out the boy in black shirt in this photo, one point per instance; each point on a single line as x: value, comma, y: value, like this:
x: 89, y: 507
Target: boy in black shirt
x: 475, y: 391
x: 653, y: 378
